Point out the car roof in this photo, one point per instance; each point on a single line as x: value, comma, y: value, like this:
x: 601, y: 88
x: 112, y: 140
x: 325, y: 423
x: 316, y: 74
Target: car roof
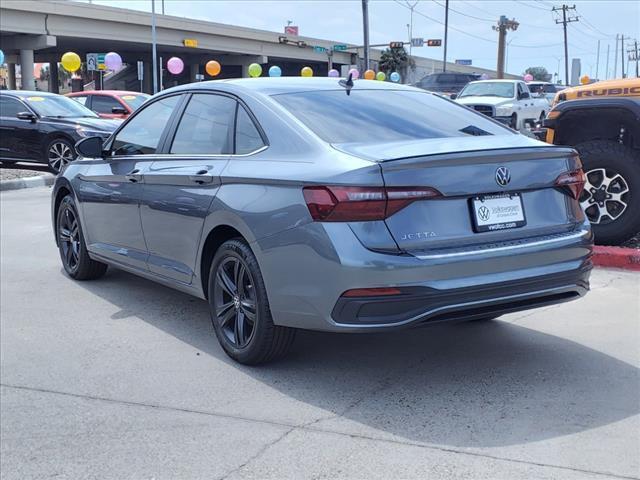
x: 502, y: 80
x: 278, y: 85
x: 107, y: 92
x: 28, y: 93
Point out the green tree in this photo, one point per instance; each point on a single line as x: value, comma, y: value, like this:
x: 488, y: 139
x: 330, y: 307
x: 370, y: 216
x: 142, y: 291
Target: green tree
x: 396, y: 60
x: 539, y: 73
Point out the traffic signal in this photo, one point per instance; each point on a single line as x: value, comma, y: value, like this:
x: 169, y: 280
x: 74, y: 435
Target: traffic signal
x: 396, y: 44
x: 434, y: 42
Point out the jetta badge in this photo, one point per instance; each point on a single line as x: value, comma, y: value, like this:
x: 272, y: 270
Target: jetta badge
x: 503, y: 176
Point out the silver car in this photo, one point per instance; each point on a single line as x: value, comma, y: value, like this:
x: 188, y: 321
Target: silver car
x: 325, y: 204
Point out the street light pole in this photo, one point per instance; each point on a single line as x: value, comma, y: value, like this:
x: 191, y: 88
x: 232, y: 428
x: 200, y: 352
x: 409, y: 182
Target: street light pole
x: 365, y: 27
x: 446, y: 31
x: 154, y: 52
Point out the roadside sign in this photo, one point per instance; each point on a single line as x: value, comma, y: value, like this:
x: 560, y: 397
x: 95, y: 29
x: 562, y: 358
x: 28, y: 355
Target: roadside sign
x: 417, y: 42
x: 319, y: 49
x: 199, y: 77
x: 190, y: 42
x: 434, y: 42
x: 140, y: 70
x: 291, y: 30
x: 464, y: 62
x: 341, y: 47
x: 396, y: 44
x: 92, y: 62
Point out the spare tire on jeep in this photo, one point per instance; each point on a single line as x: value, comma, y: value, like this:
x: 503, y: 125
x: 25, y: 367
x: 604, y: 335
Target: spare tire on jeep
x: 611, y: 197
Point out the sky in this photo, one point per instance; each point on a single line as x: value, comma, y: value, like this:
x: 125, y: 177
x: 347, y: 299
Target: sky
x: 538, y: 41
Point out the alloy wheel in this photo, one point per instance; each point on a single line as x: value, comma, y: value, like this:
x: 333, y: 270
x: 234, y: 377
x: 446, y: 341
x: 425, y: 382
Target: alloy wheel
x: 604, y: 196
x: 235, y: 301
x: 69, y: 238
x: 59, y: 155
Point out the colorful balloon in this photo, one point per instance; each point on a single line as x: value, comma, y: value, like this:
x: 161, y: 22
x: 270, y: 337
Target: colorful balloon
x: 528, y: 77
x: 70, y: 61
x: 212, y: 68
x: 354, y: 73
x: 369, y: 74
x: 584, y: 79
x: 306, y: 72
x: 1, y: 57
x: 334, y: 73
x: 255, y: 70
x: 175, y: 65
x: 275, y: 71
x: 394, y: 77
x: 113, y: 61
x: 381, y: 76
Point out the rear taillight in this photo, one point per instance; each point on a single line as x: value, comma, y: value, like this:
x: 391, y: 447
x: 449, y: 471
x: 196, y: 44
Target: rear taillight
x: 572, y: 181
x: 359, y: 204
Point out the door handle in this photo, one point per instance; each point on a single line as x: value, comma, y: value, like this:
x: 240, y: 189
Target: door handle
x: 133, y: 176
x: 201, y: 178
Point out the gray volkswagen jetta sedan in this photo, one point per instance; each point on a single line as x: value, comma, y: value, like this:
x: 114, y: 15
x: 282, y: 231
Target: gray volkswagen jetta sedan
x: 325, y: 204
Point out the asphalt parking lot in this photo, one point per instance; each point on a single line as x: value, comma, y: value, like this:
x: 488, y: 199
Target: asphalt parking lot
x: 122, y: 378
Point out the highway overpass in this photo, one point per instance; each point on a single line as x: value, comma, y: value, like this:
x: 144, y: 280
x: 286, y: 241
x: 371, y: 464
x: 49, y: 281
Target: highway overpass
x: 42, y: 30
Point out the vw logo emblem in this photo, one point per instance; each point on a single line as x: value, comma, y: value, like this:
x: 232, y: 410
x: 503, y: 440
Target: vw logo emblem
x: 503, y: 176
x: 484, y: 213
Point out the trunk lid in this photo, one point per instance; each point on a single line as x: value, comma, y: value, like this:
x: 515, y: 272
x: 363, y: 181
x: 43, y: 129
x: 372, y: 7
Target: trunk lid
x: 465, y: 171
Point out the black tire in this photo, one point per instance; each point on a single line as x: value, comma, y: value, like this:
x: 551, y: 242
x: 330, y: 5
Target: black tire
x: 71, y: 244
x: 247, y: 342
x: 58, y: 153
x: 513, y: 123
x: 612, y: 221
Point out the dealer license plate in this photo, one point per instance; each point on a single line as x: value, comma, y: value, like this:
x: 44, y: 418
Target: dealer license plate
x: 497, y: 212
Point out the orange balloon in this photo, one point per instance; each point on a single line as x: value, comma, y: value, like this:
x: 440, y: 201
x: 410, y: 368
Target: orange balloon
x: 213, y: 68
x: 369, y: 75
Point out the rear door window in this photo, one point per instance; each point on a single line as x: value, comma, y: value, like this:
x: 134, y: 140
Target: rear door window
x: 248, y: 137
x: 142, y: 132
x: 206, y: 126
x: 10, y: 107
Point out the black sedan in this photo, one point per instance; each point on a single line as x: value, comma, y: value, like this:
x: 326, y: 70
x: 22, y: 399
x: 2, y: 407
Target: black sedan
x: 43, y: 127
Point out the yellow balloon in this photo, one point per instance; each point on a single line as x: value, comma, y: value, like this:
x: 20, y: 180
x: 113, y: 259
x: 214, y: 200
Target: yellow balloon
x: 255, y: 70
x: 584, y: 79
x: 70, y: 61
x: 213, y: 68
x: 306, y: 72
x: 369, y: 75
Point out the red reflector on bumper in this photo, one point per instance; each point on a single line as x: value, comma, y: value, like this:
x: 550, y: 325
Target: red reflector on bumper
x: 371, y: 292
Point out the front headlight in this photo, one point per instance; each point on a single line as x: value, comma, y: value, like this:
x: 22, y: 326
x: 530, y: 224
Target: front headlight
x: 85, y: 132
x: 504, y: 110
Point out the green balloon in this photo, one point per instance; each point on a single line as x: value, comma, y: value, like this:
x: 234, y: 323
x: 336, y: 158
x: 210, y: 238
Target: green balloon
x: 255, y: 70
x: 381, y: 76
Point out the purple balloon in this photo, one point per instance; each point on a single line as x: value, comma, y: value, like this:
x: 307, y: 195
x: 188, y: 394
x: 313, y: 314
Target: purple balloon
x: 175, y: 65
x: 113, y: 61
x: 334, y: 73
x: 355, y: 73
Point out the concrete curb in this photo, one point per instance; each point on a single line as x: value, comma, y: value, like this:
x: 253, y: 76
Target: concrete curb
x: 28, y: 182
x: 616, y: 257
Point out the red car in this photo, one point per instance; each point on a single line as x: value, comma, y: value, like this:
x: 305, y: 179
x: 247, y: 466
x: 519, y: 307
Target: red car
x: 110, y: 103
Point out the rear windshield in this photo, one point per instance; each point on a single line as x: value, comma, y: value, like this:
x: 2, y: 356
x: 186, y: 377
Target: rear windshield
x: 374, y: 116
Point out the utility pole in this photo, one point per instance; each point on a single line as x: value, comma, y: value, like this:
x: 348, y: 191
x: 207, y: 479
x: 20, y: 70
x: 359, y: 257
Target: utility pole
x: 606, y: 72
x: 564, y: 21
x: 598, y: 60
x: 365, y: 27
x: 154, y: 52
x: 615, y: 59
x: 622, y: 54
x: 411, y: 7
x: 634, y: 54
x: 446, y: 31
x: 503, y: 25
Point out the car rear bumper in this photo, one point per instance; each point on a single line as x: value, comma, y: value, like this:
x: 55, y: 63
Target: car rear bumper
x: 308, y: 269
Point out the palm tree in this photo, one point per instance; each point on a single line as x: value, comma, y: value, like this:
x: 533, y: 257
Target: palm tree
x: 396, y: 60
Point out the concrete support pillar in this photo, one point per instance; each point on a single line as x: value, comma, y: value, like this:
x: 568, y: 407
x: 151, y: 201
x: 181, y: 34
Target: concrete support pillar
x: 147, y: 81
x: 53, y: 77
x: 195, y: 69
x: 26, y: 70
x: 11, y: 76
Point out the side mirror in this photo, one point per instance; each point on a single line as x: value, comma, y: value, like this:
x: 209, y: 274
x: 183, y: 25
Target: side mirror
x: 90, y: 147
x: 27, y: 116
x: 524, y: 95
x: 119, y: 110
x: 453, y: 96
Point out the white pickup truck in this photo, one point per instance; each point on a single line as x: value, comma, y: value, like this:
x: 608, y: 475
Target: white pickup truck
x: 508, y: 101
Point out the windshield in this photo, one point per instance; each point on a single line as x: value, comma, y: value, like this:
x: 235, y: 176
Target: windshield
x: 134, y: 101
x: 374, y: 116
x: 488, y: 89
x: 58, y: 107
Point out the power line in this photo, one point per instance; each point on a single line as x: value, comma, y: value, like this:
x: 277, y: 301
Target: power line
x: 464, y: 14
x: 565, y: 21
x: 521, y: 2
